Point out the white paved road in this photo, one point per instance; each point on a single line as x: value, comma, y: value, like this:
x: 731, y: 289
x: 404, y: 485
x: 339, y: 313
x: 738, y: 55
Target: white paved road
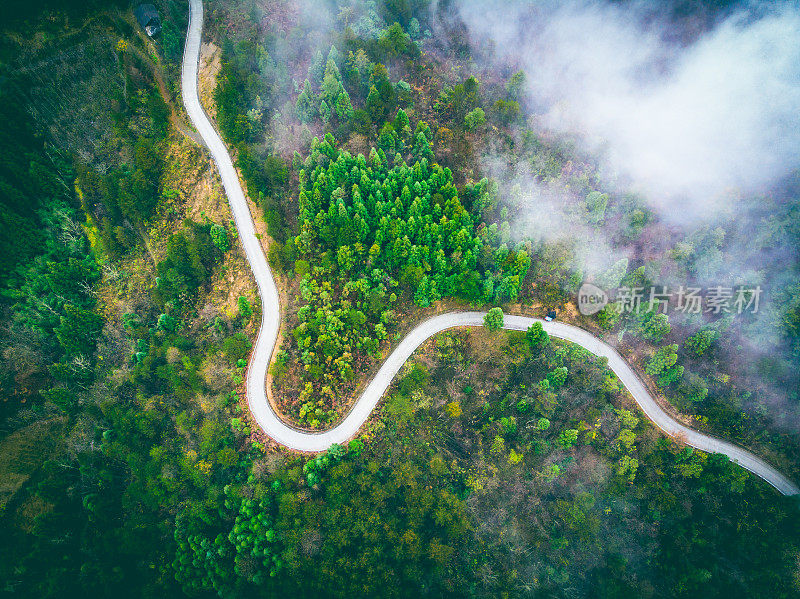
x: 291, y: 437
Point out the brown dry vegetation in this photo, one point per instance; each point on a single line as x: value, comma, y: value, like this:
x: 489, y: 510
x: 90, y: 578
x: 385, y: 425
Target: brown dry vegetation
x: 23, y: 452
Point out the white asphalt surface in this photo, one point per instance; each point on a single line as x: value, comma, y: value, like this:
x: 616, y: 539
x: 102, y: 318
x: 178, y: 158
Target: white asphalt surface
x: 293, y: 438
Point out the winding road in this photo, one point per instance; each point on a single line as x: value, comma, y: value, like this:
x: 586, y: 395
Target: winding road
x: 257, y: 398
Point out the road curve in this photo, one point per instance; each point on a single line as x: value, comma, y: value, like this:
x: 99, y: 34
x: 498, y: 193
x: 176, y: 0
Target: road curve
x: 300, y: 440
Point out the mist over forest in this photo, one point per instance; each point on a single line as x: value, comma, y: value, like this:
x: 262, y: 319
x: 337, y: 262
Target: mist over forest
x: 690, y: 117
x: 689, y: 106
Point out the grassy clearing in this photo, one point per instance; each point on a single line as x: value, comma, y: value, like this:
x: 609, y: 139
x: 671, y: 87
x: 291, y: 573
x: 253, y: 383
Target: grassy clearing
x: 23, y: 452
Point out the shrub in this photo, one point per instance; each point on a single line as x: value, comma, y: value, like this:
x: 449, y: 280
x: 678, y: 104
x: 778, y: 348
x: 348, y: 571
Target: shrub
x: 568, y: 437
x: 474, y: 119
x: 236, y: 347
x: 454, y: 409
x: 245, y: 310
x: 699, y: 343
x: 493, y: 320
x: 220, y: 236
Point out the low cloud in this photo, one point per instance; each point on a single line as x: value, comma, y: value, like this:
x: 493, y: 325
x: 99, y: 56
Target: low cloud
x: 685, y: 122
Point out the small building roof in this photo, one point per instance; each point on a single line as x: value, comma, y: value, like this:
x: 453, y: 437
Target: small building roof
x: 146, y: 14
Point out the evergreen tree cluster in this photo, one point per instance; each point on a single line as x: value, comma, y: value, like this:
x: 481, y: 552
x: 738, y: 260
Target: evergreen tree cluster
x: 369, y: 232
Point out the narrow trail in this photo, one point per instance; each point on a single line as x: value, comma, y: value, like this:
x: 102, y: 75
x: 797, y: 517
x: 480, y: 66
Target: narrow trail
x: 291, y: 437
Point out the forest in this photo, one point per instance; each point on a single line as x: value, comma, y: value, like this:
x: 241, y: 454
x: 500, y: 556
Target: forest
x: 359, y: 218
x: 382, y: 151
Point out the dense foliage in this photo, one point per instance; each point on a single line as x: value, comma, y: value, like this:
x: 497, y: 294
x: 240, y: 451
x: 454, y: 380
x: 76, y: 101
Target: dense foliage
x: 587, y: 495
x: 48, y: 305
x: 83, y: 499
x: 369, y: 232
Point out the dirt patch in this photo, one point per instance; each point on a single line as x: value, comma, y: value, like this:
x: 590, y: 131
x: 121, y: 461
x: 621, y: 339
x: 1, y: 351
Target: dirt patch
x: 488, y: 346
x: 210, y: 64
x: 236, y: 280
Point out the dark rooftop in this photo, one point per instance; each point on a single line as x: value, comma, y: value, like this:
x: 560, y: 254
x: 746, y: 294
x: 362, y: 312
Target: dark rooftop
x: 148, y: 18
